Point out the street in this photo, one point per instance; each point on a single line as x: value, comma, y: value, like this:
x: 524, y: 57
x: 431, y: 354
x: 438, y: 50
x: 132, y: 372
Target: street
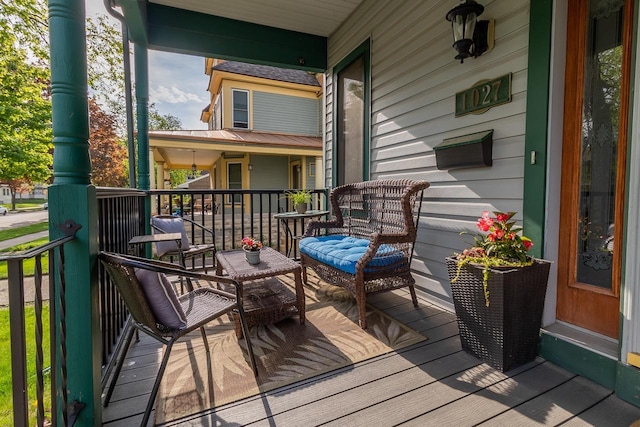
x: 20, y: 219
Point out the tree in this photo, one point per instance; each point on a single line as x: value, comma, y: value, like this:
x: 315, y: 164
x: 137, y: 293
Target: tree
x: 108, y: 154
x: 159, y: 121
x: 25, y: 112
x: 105, y: 68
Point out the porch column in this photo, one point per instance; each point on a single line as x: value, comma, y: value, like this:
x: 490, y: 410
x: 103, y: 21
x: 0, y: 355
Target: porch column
x: 160, y: 175
x: 142, y: 112
x: 72, y: 197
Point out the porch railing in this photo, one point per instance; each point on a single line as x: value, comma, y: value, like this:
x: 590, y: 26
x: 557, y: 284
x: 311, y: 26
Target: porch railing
x: 44, y: 330
x: 120, y: 217
x: 233, y: 214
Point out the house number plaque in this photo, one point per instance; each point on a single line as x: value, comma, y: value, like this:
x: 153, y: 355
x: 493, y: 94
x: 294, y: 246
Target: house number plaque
x: 484, y: 95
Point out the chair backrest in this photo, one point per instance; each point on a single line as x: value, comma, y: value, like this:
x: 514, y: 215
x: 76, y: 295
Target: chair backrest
x: 380, y: 206
x: 169, y: 224
x: 121, y: 271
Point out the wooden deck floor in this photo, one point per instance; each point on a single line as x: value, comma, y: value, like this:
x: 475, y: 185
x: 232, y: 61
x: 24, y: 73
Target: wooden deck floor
x: 433, y: 383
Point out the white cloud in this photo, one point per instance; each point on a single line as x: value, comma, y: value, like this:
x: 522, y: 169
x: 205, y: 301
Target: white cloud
x: 173, y: 95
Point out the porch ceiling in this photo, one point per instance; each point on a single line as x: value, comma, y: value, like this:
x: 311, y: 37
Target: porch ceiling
x: 320, y: 18
x: 285, y: 33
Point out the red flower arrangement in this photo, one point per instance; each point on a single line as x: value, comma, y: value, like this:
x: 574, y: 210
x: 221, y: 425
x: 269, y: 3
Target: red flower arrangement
x: 503, y: 245
x: 251, y: 244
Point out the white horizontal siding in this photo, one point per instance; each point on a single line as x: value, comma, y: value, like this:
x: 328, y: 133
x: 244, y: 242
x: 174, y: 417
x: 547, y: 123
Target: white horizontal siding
x: 414, y: 78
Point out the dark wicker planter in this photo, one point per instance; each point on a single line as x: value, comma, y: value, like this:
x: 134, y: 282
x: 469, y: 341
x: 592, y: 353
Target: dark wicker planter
x: 505, y: 334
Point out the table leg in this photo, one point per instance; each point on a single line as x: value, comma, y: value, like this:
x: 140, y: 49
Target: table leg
x: 300, y: 295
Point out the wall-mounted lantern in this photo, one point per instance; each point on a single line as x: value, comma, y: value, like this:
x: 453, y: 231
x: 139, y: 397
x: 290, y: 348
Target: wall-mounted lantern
x: 471, y: 38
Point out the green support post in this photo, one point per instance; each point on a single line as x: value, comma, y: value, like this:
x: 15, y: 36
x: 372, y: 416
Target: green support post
x: 72, y: 197
x: 535, y: 144
x: 142, y: 112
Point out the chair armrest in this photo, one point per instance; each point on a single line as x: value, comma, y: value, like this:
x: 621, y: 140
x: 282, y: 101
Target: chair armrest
x: 202, y: 227
x: 316, y: 225
x: 375, y: 241
x: 169, y: 268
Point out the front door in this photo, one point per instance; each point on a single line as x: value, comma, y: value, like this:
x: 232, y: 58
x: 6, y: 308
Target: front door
x: 593, y: 163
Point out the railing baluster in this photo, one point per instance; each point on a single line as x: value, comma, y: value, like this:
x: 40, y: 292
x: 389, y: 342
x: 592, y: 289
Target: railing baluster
x: 18, y: 343
x: 39, y: 335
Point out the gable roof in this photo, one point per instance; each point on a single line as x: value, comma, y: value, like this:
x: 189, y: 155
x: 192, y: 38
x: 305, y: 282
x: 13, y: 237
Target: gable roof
x: 268, y: 72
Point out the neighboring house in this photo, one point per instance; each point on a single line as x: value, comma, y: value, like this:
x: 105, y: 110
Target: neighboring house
x: 265, y: 127
x: 5, y: 194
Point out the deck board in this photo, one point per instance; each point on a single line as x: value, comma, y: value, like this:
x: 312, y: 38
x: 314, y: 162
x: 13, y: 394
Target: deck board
x: 429, y: 383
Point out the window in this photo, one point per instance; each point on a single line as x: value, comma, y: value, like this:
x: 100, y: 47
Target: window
x: 351, y: 131
x: 240, y: 115
x: 234, y: 181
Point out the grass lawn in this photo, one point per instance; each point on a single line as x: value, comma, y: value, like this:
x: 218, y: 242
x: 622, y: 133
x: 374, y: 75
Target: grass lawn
x: 26, y: 203
x: 29, y: 265
x: 11, y: 233
x: 6, y: 402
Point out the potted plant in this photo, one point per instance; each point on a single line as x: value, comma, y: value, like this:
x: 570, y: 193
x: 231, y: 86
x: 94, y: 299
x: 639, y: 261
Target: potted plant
x: 251, y: 247
x: 299, y: 199
x: 498, y: 291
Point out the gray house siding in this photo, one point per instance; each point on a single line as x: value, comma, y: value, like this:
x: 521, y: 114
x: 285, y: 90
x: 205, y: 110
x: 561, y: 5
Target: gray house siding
x: 414, y: 78
x: 283, y: 113
x: 269, y: 172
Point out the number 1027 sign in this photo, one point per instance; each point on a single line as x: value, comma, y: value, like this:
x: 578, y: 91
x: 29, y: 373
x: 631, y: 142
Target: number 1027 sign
x: 484, y: 95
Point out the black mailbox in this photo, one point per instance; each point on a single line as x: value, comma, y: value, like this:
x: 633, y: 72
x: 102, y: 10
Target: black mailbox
x: 465, y: 151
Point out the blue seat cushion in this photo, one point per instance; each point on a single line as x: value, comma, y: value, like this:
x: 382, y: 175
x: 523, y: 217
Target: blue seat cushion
x: 343, y: 252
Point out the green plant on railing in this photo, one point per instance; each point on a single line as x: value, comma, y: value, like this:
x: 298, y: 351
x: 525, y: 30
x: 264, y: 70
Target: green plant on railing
x: 299, y: 197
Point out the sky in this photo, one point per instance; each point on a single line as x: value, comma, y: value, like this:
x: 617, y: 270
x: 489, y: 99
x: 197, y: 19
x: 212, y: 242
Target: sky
x: 177, y: 83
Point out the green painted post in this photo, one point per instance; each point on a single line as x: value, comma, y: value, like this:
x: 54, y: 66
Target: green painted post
x: 537, y: 123
x: 142, y: 101
x: 72, y: 197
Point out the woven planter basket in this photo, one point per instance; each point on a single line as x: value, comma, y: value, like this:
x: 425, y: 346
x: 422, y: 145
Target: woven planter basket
x: 505, y: 334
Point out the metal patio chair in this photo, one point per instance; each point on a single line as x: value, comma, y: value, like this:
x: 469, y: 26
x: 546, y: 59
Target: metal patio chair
x: 145, y: 301
x: 176, y: 224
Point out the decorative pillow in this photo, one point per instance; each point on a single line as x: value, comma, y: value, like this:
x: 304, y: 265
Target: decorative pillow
x: 162, y: 299
x: 170, y: 225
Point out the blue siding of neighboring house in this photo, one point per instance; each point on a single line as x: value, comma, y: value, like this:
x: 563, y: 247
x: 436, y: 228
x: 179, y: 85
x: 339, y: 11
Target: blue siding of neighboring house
x: 290, y: 114
x: 269, y: 172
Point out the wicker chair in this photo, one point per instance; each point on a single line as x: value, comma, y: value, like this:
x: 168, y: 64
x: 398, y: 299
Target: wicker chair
x: 199, y: 307
x: 368, y: 246
x: 176, y: 224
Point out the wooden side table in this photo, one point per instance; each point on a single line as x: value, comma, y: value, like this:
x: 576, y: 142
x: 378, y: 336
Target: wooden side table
x: 265, y: 298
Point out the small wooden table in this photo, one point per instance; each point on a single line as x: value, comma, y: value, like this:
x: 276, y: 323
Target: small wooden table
x: 265, y: 298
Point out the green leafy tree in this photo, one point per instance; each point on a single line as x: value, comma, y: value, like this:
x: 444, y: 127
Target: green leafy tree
x: 159, y: 121
x: 105, y: 68
x: 25, y: 110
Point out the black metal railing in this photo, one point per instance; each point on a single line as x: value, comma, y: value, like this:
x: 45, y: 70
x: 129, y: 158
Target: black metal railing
x: 44, y: 330
x: 120, y: 217
x: 232, y: 214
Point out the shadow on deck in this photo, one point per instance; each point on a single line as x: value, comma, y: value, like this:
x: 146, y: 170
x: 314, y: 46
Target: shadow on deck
x: 432, y: 383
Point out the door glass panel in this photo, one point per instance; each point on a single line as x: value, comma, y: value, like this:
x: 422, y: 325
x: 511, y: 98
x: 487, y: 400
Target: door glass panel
x: 235, y: 181
x: 599, y: 150
x: 351, y: 123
